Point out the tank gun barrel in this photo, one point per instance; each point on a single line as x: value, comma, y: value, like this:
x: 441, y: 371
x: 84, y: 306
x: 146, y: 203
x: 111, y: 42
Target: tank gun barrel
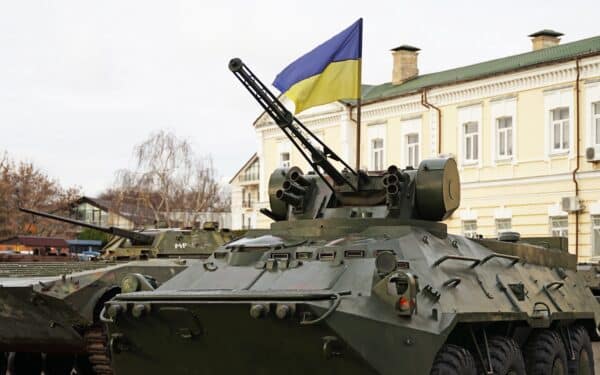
x: 137, y: 237
x: 292, y: 127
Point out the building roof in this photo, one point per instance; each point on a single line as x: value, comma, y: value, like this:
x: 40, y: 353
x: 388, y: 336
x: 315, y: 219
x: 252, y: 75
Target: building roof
x: 555, y: 54
x: 128, y: 211
x: 36, y: 241
x: 246, y: 165
x: 102, y: 204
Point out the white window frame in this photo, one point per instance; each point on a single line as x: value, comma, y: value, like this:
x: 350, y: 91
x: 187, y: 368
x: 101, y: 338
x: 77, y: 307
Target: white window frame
x: 561, y: 124
x: 559, y: 98
x: 504, y: 138
x: 502, y: 220
x: 470, y: 143
x: 413, y: 150
x: 595, y: 250
x: 284, y: 147
x: 376, y: 132
x: 377, y: 154
x: 592, y: 96
x: 466, y: 115
x: 411, y: 127
x: 560, y: 230
x: 284, y: 159
x: 595, y: 116
x: 469, y: 232
x: 501, y: 109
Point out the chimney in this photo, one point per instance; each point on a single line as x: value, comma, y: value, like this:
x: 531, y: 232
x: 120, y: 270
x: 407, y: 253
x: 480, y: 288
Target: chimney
x: 405, y: 63
x: 545, y: 38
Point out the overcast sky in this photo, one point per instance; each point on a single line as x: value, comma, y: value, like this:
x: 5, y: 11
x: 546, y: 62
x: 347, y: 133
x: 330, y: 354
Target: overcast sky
x: 82, y: 82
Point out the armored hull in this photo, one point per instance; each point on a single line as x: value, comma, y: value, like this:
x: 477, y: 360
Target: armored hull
x: 340, y: 317
x: 54, y: 314
x: 359, y: 276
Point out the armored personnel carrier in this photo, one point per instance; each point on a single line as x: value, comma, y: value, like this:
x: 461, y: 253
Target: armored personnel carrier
x: 358, y: 275
x: 49, y: 312
x: 50, y: 323
x: 153, y: 243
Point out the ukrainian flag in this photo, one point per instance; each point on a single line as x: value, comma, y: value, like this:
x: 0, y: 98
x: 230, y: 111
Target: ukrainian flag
x: 327, y: 73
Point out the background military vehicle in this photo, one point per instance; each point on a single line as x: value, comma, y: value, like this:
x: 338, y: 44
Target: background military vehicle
x: 49, y: 311
x: 50, y: 323
x: 153, y: 243
x: 591, y: 275
x: 358, y: 276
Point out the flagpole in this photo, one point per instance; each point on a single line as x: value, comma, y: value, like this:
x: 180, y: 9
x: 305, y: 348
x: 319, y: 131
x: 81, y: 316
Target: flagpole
x: 358, y: 105
x: 359, y: 102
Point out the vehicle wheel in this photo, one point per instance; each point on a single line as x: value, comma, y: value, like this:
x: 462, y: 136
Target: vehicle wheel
x: 453, y: 360
x: 26, y: 363
x: 545, y: 354
x: 57, y: 364
x: 583, y: 364
x: 506, y: 357
x: 3, y: 362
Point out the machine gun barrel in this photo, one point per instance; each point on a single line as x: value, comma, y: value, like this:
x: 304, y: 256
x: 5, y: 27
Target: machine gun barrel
x: 140, y: 238
x: 291, y: 126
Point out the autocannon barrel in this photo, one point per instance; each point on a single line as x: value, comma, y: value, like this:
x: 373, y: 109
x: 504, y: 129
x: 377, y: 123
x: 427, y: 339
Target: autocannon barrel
x: 297, y: 178
x: 140, y: 238
x: 293, y: 188
x: 289, y: 198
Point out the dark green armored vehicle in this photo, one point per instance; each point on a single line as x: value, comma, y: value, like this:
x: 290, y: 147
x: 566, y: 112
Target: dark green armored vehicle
x: 50, y: 323
x: 359, y: 276
x: 49, y: 312
x: 152, y: 243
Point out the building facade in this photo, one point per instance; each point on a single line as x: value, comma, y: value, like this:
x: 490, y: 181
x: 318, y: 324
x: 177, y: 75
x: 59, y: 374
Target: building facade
x: 524, y: 129
x: 98, y: 212
x: 245, y: 197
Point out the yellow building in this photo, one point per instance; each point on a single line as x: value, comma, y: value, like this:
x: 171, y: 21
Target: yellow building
x: 525, y: 130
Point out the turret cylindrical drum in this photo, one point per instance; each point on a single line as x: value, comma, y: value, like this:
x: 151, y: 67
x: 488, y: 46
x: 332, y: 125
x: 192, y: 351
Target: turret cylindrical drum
x: 437, y: 188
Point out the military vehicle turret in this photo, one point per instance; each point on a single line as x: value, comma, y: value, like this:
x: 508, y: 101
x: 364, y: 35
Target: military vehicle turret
x: 153, y: 243
x: 358, y: 275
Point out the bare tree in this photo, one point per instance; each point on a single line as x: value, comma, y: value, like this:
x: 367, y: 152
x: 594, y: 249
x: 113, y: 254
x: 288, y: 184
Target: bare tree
x: 23, y: 184
x: 169, y: 181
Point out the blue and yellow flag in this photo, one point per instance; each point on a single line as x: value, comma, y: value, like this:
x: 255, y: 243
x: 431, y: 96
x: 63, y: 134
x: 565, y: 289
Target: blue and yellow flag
x: 327, y: 73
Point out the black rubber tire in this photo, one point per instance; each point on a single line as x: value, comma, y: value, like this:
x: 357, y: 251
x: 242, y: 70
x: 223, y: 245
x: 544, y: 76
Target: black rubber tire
x: 453, y: 360
x: 506, y: 357
x: 545, y: 354
x: 583, y: 364
x: 3, y: 362
x: 56, y: 364
x: 27, y: 363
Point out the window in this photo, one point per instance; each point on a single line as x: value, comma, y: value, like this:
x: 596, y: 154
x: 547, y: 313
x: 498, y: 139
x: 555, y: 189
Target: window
x: 251, y: 173
x: 595, y: 235
x: 412, y: 150
x: 596, y: 121
x: 469, y: 228
x: 377, y: 151
x: 559, y: 226
x: 504, y: 137
x: 284, y: 159
x: 559, y: 129
x: 503, y: 225
x: 471, y: 142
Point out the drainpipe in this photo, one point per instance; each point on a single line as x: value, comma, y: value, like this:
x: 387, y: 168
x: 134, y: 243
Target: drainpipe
x: 574, y: 173
x: 428, y: 105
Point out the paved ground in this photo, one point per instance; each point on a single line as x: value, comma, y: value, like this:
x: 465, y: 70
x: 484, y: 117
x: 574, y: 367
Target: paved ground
x: 596, y: 347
